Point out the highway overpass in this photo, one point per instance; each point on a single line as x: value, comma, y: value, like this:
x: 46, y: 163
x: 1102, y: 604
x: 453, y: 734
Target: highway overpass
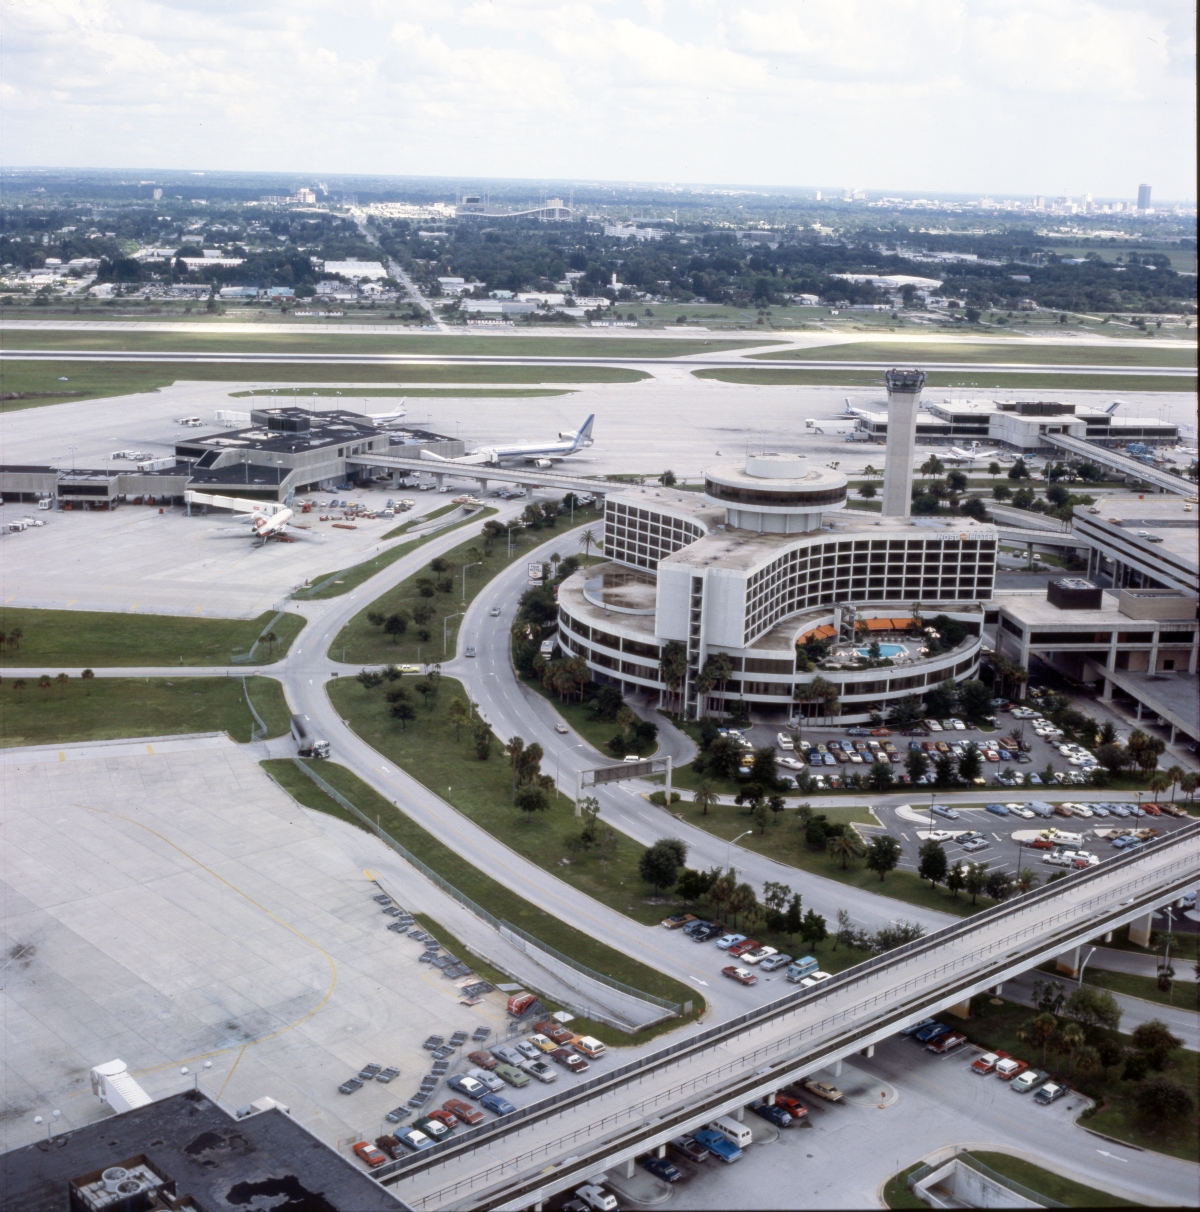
x: 585, y: 1127
x: 1156, y: 476
x: 491, y: 473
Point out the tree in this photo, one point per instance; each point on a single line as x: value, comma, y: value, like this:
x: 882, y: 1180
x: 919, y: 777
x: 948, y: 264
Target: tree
x: 999, y: 885
x: 403, y: 711
x: 976, y: 879
x: 1093, y: 1007
x: 916, y: 764
x: 742, y: 900
x: 1048, y: 996
x: 659, y: 865
x: 1070, y: 1038
x: 933, y: 466
x: 880, y: 777
x: 19, y: 689
x: 44, y: 683
x: 588, y: 540
x: 1154, y: 1041
x: 368, y: 679
x: 813, y: 929
x: 867, y: 492
x: 667, y: 479
x: 973, y: 507
x: 845, y: 931
x: 530, y: 799
x: 1162, y: 1105
x: 1001, y: 492
x: 62, y: 681
x: 775, y: 895
x: 1038, y: 1032
x: 956, y: 879
x: 458, y: 715
x: 793, y: 921
x: 944, y: 772
x: 672, y: 666
x: 1018, y: 471
x: 763, y: 770
x: 1027, y: 880
x: 88, y: 677
x: 933, y: 864
x: 1175, y: 774
x: 481, y: 734
x: 883, y: 855
x: 1189, y: 783
x: 994, y: 470
x: 844, y: 847
x: 976, y: 699
x: 395, y: 625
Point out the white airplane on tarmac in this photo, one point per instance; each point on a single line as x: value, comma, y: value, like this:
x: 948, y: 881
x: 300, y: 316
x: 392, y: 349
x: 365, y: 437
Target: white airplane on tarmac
x: 972, y: 455
x: 540, y: 454
x: 266, y: 519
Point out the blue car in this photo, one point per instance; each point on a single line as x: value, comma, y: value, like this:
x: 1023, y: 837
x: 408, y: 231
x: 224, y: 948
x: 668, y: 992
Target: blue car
x: 718, y: 1145
x: 463, y: 1084
x: 772, y: 1114
x: 915, y: 1027
x: 1005, y: 756
x: 815, y: 759
x: 997, y: 809
x: 661, y: 1168
x: 414, y: 1139
x: 935, y: 1031
x: 494, y: 1102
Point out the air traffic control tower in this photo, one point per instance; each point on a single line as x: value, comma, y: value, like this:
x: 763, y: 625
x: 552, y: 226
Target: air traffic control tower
x: 904, y: 398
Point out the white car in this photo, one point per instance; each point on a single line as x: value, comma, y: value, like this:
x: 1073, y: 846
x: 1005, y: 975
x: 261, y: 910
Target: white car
x: 562, y: 728
x: 1021, y: 811
x: 1082, y: 810
x: 939, y: 835
x: 490, y: 1080
x: 957, y: 725
x: 1025, y: 713
x: 815, y: 979
x: 791, y: 763
x: 933, y: 725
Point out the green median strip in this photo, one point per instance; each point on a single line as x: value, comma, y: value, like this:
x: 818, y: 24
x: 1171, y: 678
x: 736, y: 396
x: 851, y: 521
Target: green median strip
x: 1014, y: 350
x: 102, y: 709
x: 332, y: 585
x: 486, y: 892
x: 74, y: 638
x: 983, y: 378
x: 416, y: 393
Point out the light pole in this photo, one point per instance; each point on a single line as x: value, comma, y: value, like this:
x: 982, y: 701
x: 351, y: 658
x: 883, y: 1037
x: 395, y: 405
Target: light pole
x: 1084, y: 965
x: 558, y: 763
x: 446, y: 630
x: 476, y: 564
x: 729, y: 846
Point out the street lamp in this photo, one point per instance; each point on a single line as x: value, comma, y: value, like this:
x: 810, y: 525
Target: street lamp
x: 729, y: 846
x: 446, y: 630
x: 476, y: 564
x: 558, y: 762
x: 1084, y: 965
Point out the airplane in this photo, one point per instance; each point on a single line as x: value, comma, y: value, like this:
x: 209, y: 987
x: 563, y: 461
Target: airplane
x: 385, y: 420
x: 973, y: 455
x: 541, y: 454
x: 267, y: 519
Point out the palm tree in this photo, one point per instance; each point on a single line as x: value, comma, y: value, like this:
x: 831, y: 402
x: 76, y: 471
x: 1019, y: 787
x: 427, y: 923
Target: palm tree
x: 272, y: 639
x: 62, y: 681
x: 1189, y: 783
x: 44, y: 683
x: 672, y: 667
x: 588, y: 540
x: 705, y: 797
x: 1159, y: 782
x: 19, y: 687
x: 13, y: 639
x: 718, y: 667
x: 1174, y: 773
x: 803, y: 693
x: 826, y: 693
x: 1039, y: 1031
x: 1071, y: 1038
x: 845, y: 848
x: 88, y: 677
x: 1026, y: 880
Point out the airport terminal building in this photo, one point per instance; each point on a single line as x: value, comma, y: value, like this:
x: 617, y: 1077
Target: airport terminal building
x: 766, y: 558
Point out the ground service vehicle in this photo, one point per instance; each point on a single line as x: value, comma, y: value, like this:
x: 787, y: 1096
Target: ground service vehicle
x: 597, y: 1198
x: 308, y: 741
x: 718, y: 1145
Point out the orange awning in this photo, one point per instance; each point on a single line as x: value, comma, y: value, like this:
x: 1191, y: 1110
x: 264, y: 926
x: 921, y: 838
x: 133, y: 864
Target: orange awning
x: 823, y: 633
x: 902, y: 624
x: 879, y: 624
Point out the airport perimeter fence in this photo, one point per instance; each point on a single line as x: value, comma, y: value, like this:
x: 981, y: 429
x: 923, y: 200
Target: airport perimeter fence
x: 521, y: 938
x: 965, y: 1159
x: 258, y: 730
x: 247, y: 658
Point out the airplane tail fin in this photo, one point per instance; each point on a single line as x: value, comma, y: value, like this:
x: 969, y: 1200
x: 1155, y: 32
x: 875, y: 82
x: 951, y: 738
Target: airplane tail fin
x: 1112, y: 408
x: 583, y: 436
x: 287, y: 501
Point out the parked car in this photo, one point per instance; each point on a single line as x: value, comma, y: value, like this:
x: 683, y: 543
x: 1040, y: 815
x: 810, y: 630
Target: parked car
x: 774, y: 962
x: 772, y: 1114
x: 947, y: 1043
x: 447, y: 1117
x: 730, y: 940
x: 464, y: 1111
x: 976, y: 843
x: 542, y: 1043
x: 540, y: 1070
x: 687, y: 1147
x: 465, y: 1084
x: 370, y: 1154
x: 484, y: 1060
x: 815, y: 978
x: 946, y: 813
x: 913, y: 1028
x: 414, y: 1139
x: 569, y: 1060
x: 527, y: 1049
x: 706, y: 933
x: 435, y: 1129
x: 1029, y: 1080
x: 677, y: 920
x: 497, y: 1104
x: 934, y: 1031
x: 744, y: 947
x: 1010, y: 1067
x: 661, y: 1168
x: 758, y: 955
x: 742, y: 975
x: 718, y: 1145
x: 489, y: 1081
x: 512, y: 1075
x: 997, y: 809
x: 987, y: 1063
x: 826, y: 1090
x: 1049, y: 1092
x: 792, y: 1105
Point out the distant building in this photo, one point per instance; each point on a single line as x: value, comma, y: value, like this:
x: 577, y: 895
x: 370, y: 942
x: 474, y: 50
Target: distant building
x: 306, y: 197
x: 356, y: 269
x: 622, y: 231
x: 1143, y: 202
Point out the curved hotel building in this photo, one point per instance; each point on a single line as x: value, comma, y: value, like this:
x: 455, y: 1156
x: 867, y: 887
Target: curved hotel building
x: 767, y: 557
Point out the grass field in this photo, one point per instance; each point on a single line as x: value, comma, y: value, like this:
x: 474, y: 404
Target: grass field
x: 95, y: 379
x: 1145, y: 987
x: 1029, y: 352
x: 1184, y: 946
x: 366, y: 643
x: 1067, y: 381
x: 73, y: 638
x: 995, y: 1028
x: 332, y: 341
x: 482, y: 889
x: 351, y: 578
x: 1044, y: 1182
x: 595, y: 731
x: 110, y: 708
x: 415, y: 392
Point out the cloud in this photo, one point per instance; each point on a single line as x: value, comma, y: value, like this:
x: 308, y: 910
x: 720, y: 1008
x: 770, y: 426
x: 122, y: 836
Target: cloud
x: 1041, y: 96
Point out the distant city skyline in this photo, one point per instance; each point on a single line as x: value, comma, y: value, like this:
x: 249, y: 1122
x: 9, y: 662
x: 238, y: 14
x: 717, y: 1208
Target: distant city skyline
x: 1007, y: 97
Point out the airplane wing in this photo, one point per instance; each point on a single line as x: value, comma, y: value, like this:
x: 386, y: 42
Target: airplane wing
x: 470, y: 460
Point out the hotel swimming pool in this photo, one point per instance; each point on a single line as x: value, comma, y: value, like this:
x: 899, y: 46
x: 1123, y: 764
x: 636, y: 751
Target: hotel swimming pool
x: 885, y: 650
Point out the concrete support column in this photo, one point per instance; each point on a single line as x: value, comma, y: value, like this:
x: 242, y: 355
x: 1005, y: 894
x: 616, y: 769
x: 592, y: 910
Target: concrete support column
x: 661, y: 1151
x: 1069, y: 963
x: 1108, y: 937
x: 629, y: 1168
x: 1106, y: 697
x: 868, y: 1051
x: 961, y: 1010
x: 1140, y: 930
x: 837, y: 1068
x: 997, y: 990
x: 771, y: 1099
x: 1139, y: 712
x: 1192, y: 659
x: 740, y: 1115
x: 1152, y: 662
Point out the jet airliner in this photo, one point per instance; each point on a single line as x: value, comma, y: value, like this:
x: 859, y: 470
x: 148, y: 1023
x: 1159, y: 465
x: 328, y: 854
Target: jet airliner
x: 541, y: 454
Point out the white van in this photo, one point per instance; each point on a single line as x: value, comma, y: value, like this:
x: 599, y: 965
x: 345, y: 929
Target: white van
x: 597, y: 1198
x: 784, y: 742
x: 729, y: 1128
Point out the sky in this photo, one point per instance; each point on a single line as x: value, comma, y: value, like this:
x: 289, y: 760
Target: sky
x: 1005, y: 97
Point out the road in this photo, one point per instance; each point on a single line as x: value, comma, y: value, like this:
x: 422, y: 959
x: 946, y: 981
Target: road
x: 398, y: 272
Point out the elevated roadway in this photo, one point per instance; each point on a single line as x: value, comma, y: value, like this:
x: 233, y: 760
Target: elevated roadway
x: 492, y: 473
x: 1160, y: 479
x: 521, y: 1159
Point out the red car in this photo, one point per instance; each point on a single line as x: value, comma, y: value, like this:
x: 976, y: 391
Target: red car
x: 447, y: 1117
x: 1041, y: 843
x: 462, y: 1111
x: 793, y: 1106
x: 569, y: 1060
x: 747, y: 944
x: 372, y: 1156
x: 987, y: 1063
x: 483, y: 1060
x: 881, y: 732
x: 1152, y: 809
x: 555, y: 1031
x: 947, y: 1043
x: 744, y: 975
